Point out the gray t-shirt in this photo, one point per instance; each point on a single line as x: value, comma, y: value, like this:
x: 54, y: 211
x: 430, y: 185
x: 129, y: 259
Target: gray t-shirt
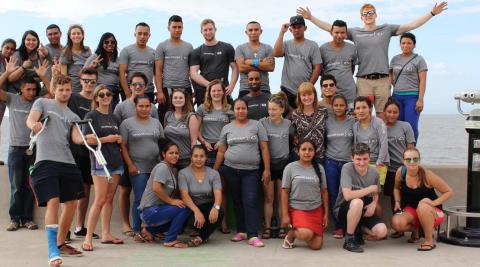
x: 246, y: 52
x: 213, y: 122
x: 375, y: 136
x: 19, y: 109
x: 107, y: 76
x: 408, y: 81
x: 74, y: 67
x: 53, y: 52
x: 14, y: 87
x: 339, y: 138
x: 341, y: 64
x: 177, y: 131
x: 176, y: 70
x: 399, y: 136
x: 304, y: 185
x: 142, y: 142
x: 161, y: 173
x: 139, y: 60
x: 201, y: 193
x: 126, y: 109
x: 372, y: 48
x: 278, y: 140
x: 53, y: 143
x: 298, y: 63
x: 243, y: 150
x: 350, y: 178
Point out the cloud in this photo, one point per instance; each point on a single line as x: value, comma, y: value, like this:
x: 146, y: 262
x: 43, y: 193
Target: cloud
x: 440, y: 68
x: 469, y: 39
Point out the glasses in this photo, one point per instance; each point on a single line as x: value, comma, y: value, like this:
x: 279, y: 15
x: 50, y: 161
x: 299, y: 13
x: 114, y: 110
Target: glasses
x: 102, y: 95
x: 411, y: 160
x: 369, y: 13
x: 107, y: 42
x: 89, y: 81
x: 326, y: 85
x: 360, y: 148
x: 138, y: 84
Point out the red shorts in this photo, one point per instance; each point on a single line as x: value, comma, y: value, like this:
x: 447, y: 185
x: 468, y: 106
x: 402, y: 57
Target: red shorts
x: 438, y: 220
x: 310, y: 219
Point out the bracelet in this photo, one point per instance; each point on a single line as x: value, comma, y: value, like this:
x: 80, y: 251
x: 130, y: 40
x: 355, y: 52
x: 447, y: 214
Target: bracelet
x: 255, y: 62
x: 433, y: 14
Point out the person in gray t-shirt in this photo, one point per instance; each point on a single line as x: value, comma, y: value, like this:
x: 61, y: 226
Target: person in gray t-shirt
x: 138, y: 57
x: 302, y: 61
x: 254, y: 55
x: 305, y: 198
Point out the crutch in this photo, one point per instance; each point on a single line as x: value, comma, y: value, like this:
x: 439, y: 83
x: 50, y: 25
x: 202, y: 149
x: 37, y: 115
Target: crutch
x: 34, y: 137
x: 100, y: 159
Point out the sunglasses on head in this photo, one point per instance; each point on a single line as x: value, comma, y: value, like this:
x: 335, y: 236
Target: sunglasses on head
x: 360, y: 148
x: 102, y: 94
x: 369, y: 13
x: 90, y: 81
x: 138, y: 84
x: 412, y: 159
x: 326, y: 85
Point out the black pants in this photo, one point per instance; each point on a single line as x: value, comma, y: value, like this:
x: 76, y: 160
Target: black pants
x: 208, y: 228
x: 292, y: 99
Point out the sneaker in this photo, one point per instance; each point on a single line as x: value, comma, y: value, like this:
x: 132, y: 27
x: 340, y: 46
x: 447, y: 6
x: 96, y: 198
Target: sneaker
x: 13, y: 226
x: 256, y: 242
x: 83, y: 232
x: 359, y: 239
x: 338, y: 233
x: 69, y: 251
x: 68, y: 238
x: 30, y: 225
x: 352, y: 246
x: 239, y: 237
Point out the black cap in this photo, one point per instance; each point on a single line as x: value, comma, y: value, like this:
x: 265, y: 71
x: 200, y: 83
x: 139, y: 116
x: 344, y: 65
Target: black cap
x: 297, y: 20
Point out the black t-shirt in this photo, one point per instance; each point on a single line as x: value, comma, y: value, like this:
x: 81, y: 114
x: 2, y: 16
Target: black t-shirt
x: 104, y: 125
x: 80, y: 106
x: 257, y: 106
x: 214, y: 61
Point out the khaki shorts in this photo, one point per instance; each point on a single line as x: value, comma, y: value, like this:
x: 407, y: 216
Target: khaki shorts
x: 378, y: 89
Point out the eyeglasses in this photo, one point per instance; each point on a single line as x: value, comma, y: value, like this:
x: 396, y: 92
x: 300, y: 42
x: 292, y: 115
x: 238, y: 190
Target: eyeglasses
x: 107, y: 42
x: 138, y: 84
x: 411, y: 160
x: 360, y: 148
x: 89, y: 81
x: 369, y: 13
x: 326, y: 85
x: 102, y: 95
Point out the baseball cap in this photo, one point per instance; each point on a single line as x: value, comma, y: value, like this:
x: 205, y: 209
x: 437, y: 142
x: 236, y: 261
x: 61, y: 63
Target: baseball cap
x: 297, y: 20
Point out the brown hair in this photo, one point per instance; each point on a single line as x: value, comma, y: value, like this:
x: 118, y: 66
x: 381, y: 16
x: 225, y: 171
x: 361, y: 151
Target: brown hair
x: 207, y: 21
x: 187, y: 108
x: 61, y: 79
x: 208, y: 104
x: 422, y: 175
x: 97, y: 90
x: 280, y: 99
x: 306, y: 88
x: 68, y: 48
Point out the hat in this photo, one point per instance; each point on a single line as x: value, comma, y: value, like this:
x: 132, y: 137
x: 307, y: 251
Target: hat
x: 297, y: 20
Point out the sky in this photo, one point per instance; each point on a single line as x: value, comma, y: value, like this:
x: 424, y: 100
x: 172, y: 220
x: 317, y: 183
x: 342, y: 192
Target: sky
x: 449, y: 42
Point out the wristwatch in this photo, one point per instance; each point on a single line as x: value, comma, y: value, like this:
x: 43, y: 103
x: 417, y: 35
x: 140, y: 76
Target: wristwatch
x: 217, y: 207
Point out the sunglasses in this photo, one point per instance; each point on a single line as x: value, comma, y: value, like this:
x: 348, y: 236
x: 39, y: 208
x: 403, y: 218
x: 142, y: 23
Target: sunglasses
x: 107, y: 42
x: 411, y: 160
x: 369, y: 13
x: 102, y: 95
x: 138, y: 84
x: 89, y: 81
x: 360, y: 148
x: 326, y: 85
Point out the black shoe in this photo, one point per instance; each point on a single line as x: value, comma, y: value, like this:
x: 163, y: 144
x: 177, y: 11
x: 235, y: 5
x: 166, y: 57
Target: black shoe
x: 68, y: 239
x: 2, y: 163
x: 359, y: 239
x: 352, y: 246
x: 83, y: 232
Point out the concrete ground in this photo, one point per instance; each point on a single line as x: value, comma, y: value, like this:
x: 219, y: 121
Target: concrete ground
x: 28, y: 248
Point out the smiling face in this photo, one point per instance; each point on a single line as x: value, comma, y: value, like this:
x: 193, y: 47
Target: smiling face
x: 109, y: 44
x: 407, y: 45
x: 339, y: 34
x: 307, y: 98
x: 142, y: 34
x: 76, y: 35
x: 360, y: 162
x: 8, y: 49
x: 137, y: 86
x: 178, y: 99
x: 31, y: 43
x: 104, y: 97
x: 362, y: 110
x: 198, y: 158
x: 208, y: 31
x: 369, y: 15
x: 391, y: 114
x: 171, y: 155
x: 216, y: 93
x: 88, y: 82
x: 54, y: 35
x: 254, y: 81
x: 306, y: 152
x: 411, y: 159
x: 275, y: 111
x: 328, y: 88
x: 339, y: 107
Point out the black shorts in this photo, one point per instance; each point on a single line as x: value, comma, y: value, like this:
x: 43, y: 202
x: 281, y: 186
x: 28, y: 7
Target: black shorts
x: 368, y: 222
x: 125, y: 179
x: 276, y: 170
x: 292, y: 99
x: 51, y: 179
x: 389, y: 184
x: 83, y: 164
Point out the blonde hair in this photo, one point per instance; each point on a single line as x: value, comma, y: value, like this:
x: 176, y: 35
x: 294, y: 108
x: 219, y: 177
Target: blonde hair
x: 207, y: 21
x: 60, y: 79
x: 306, y: 88
x: 97, y: 90
x: 367, y: 5
x: 208, y: 104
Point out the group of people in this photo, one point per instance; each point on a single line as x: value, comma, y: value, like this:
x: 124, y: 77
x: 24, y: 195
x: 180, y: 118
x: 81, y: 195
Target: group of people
x: 316, y: 155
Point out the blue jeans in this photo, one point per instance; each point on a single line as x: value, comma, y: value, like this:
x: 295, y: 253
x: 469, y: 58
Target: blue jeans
x: 333, y: 170
x: 21, y: 196
x: 139, y: 182
x: 165, y: 217
x: 243, y: 186
x: 408, y: 112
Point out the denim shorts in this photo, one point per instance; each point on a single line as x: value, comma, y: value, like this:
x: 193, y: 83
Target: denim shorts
x: 101, y: 172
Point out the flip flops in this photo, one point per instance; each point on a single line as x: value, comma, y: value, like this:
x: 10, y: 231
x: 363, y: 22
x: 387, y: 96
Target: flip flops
x: 129, y: 233
x: 115, y: 241
x: 426, y: 247
x: 175, y: 244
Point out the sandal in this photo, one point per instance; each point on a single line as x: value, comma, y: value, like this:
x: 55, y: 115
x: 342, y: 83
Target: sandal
x: 396, y: 235
x: 160, y: 236
x: 224, y: 230
x: 282, y: 233
x: 256, y: 242
x: 414, y: 238
x: 175, y: 244
x: 87, y: 247
x: 147, y: 235
x: 115, y: 241
x: 195, y: 242
x: 139, y: 238
x: 129, y: 233
x: 267, y: 233
x: 426, y: 247
x: 239, y: 237
x: 55, y: 261
x: 286, y: 243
